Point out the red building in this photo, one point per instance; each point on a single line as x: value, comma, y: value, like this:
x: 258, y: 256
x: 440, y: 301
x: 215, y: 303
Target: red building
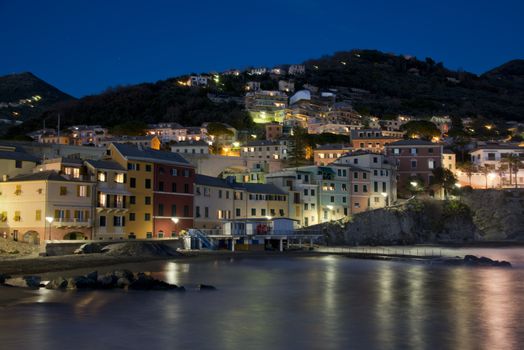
x: 172, y: 196
x: 415, y: 159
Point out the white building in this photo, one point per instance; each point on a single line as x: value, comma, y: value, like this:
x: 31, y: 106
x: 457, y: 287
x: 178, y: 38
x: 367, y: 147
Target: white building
x: 277, y: 150
x: 493, y: 155
x: 197, y: 80
x: 191, y: 147
x: 297, y: 69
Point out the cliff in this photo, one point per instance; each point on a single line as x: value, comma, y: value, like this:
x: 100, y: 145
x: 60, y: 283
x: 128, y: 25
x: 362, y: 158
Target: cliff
x: 476, y: 216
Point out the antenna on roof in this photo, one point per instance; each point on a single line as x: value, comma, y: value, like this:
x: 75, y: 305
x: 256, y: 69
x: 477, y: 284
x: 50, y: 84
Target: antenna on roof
x: 58, y: 128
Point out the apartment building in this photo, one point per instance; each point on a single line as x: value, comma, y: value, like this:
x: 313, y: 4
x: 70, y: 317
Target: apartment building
x: 161, y: 184
x: 191, y: 147
x: 273, y: 131
x: 327, y: 154
x: 494, y: 155
x: 414, y: 159
x: 46, y: 206
x: 276, y: 150
x: 371, y: 139
x: 167, y: 132
x: 15, y: 161
x: 111, y: 199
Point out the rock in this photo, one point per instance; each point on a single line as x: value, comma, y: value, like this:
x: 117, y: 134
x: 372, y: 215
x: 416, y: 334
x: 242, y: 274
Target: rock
x: 82, y: 282
x: 485, y: 261
x: 471, y: 258
x: 71, y: 284
x: 25, y: 282
x: 106, y: 282
x: 146, y: 282
x: 122, y: 282
x: 504, y: 263
x: 124, y: 274
x: 57, y: 283
x: 3, y: 278
x: 206, y: 287
x: 92, y: 276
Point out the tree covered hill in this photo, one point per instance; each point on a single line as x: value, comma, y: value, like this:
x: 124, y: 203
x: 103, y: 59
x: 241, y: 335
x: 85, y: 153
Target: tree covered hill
x: 24, y: 96
x: 377, y: 83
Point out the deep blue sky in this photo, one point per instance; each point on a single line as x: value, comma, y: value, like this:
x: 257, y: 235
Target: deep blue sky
x: 85, y: 46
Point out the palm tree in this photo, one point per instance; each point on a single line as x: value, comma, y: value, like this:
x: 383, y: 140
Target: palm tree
x: 468, y: 168
x: 486, y: 170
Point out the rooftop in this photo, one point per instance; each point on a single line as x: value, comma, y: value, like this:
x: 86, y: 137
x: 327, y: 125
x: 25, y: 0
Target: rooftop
x: 18, y: 156
x: 49, y: 175
x: 105, y: 164
x: 333, y: 146
x: 133, y: 153
x: 248, y: 187
x: 413, y: 142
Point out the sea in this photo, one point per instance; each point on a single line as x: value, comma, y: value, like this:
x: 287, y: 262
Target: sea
x: 285, y: 302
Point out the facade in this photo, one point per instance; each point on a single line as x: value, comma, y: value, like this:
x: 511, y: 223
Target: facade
x: 191, y: 147
x: 15, y: 161
x: 161, y: 186
x: 274, y: 150
x: 266, y: 106
x: 414, y: 159
x: 297, y: 69
x: 371, y: 139
x: 449, y: 160
x: 46, y: 206
x: 382, y: 189
x: 273, y: 131
x: 111, y: 199
x: 167, y: 132
x: 197, y: 80
x: 150, y: 141
x: 87, y: 134
x: 219, y: 200
x: 494, y: 155
x: 286, y: 86
x: 327, y: 154
x: 394, y: 124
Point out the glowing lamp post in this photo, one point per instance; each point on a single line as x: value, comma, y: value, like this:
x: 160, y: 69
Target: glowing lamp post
x: 175, y: 221
x: 385, y: 195
x: 50, y: 220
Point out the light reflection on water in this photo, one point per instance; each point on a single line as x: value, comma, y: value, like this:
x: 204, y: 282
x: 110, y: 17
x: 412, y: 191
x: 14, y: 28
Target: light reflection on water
x: 281, y: 303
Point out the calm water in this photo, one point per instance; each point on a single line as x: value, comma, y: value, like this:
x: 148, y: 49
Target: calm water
x: 286, y: 303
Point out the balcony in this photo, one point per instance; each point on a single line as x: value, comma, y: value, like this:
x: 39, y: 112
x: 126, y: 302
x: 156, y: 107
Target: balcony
x: 71, y: 223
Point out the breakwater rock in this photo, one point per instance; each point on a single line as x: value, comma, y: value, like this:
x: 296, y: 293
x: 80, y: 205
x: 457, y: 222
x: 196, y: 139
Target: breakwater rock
x: 472, y: 260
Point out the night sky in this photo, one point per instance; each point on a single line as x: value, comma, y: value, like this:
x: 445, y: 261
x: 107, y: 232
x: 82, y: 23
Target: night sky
x: 83, y: 47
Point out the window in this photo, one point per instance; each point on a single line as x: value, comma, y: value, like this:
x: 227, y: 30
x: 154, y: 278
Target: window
x: 375, y: 186
x: 132, y: 200
x: 356, y: 205
x: 147, y: 217
x: 102, y: 221
x: 396, y: 151
x: 173, y: 210
x: 355, y: 161
x: 174, y: 172
x: 332, y: 199
x: 263, y: 212
x: 118, y: 221
x: 160, y: 210
x: 306, y: 206
x: 237, y: 211
x: 131, y: 216
x: 375, y: 172
x: 344, y: 200
x: 147, y: 200
x: 148, y: 167
x: 430, y: 150
x: 147, y: 183
x: 355, y: 175
x: 355, y: 188
x: 384, y: 189
x: 161, y: 186
x: 253, y: 211
x: 63, y: 190
x: 364, y: 175
x: 120, y: 178
x: 281, y: 212
x: 102, y: 176
x: 18, y: 164
x: 431, y: 164
x: 305, y: 191
x: 186, y: 210
x: 186, y: 188
x: 173, y: 187
x: 186, y: 172
x: 413, y: 151
x: 82, y: 191
x: 413, y: 164
x: 17, y: 215
x: 197, y: 211
x: 219, y: 193
x: 132, y: 182
x: 227, y: 194
x: 375, y: 159
x: 364, y: 188
x: 312, y: 192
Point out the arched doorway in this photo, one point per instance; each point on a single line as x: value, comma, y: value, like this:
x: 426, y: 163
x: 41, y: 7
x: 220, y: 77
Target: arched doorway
x: 75, y: 236
x: 31, y: 237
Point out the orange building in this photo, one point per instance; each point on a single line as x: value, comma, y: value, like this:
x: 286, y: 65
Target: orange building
x: 371, y: 139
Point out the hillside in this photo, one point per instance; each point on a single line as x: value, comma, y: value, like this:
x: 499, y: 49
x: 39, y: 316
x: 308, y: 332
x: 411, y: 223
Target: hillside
x: 377, y: 83
x: 24, y: 96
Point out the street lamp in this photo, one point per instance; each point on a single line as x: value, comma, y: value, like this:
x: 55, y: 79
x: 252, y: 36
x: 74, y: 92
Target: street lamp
x: 50, y: 220
x: 414, y: 184
x: 385, y: 195
x: 175, y: 221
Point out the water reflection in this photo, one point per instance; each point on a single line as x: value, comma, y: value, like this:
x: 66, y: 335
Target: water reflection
x: 283, y: 303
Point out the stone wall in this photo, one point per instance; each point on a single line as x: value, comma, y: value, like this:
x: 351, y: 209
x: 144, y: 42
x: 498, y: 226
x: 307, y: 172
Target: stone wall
x: 68, y: 247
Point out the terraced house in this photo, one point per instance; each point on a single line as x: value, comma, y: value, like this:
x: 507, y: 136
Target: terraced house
x: 46, y: 206
x: 161, y: 187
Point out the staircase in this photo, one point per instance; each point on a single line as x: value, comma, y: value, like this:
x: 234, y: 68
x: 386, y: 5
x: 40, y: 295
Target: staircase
x: 205, y: 241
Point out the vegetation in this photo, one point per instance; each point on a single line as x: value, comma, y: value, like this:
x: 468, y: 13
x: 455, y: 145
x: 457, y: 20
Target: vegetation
x: 297, y: 148
x: 423, y: 129
x: 444, y: 179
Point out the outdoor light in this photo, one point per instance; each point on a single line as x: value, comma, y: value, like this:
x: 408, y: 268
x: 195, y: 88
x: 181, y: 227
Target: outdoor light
x: 236, y: 144
x: 175, y: 220
x: 49, y: 219
x: 492, y: 175
x: 384, y: 194
x: 269, y: 217
x: 457, y: 185
x: 330, y: 207
x: 414, y: 183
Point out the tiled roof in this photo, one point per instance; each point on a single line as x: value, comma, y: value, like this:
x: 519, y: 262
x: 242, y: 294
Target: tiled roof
x: 333, y: 146
x: 133, y: 153
x: 494, y: 147
x: 205, y: 180
x: 105, y: 164
x: 262, y: 188
x: 18, y: 156
x: 49, y: 175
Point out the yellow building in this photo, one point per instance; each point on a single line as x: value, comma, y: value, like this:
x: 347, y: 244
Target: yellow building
x: 45, y: 206
x: 140, y: 186
x: 14, y: 161
x: 449, y: 160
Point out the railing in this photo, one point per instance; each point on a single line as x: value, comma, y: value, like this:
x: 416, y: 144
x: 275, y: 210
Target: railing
x: 384, y: 251
x: 71, y: 222
x: 206, y: 242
